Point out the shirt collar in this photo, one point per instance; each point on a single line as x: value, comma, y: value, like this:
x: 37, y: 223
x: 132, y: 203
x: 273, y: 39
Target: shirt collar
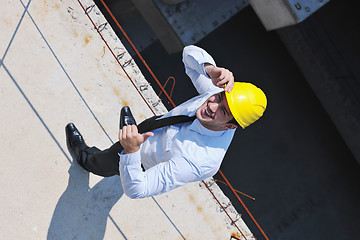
x: 198, y: 127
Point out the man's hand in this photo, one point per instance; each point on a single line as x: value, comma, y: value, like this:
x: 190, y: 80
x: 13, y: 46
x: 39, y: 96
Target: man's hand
x: 130, y: 139
x: 220, y: 77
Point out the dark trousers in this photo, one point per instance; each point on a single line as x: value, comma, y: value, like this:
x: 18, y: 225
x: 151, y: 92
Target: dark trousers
x: 104, y: 163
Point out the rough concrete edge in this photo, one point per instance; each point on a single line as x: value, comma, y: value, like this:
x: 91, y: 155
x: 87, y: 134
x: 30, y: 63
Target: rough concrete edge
x: 145, y: 88
x: 124, y: 57
x: 227, y: 204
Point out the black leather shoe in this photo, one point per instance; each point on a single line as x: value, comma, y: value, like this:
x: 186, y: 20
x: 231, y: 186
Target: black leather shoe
x: 126, y: 118
x: 74, y: 140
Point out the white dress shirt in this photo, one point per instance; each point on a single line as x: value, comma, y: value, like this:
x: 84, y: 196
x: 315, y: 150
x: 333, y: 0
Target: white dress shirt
x: 181, y: 153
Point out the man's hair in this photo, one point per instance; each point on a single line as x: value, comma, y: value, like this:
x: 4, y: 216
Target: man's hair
x: 233, y: 121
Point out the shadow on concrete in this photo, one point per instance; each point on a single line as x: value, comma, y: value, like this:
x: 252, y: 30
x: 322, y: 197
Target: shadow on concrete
x: 82, y: 212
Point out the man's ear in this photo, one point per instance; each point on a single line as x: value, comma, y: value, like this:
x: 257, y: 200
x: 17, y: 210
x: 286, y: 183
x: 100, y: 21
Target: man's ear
x: 230, y: 126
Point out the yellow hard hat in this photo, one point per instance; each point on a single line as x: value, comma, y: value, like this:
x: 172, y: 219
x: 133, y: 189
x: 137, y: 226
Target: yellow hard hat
x: 247, y: 103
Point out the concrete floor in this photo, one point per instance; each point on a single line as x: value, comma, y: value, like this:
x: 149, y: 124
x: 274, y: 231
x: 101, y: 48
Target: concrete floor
x: 305, y: 179
x: 55, y: 69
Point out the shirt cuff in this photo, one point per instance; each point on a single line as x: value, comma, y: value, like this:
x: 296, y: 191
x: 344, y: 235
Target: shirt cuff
x: 129, y: 159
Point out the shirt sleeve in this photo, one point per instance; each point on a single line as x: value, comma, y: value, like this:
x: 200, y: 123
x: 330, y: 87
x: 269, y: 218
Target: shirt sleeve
x: 158, y: 179
x: 194, y: 59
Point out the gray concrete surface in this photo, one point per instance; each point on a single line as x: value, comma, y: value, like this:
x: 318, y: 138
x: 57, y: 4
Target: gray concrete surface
x: 281, y: 13
x: 185, y: 23
x: 56, y: 69
x: 326, y: 51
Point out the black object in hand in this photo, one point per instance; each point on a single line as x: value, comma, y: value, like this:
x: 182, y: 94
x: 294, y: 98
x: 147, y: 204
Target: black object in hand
x: 126, y: 118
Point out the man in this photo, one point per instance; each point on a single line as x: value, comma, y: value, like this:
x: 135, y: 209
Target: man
x: 181, y: 153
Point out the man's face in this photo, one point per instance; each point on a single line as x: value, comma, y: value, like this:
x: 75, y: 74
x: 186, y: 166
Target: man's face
x: 215, y: 113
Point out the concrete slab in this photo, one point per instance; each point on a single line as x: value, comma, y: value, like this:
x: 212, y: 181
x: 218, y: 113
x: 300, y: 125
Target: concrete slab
x: 54, y: 69
x: 280, y: 13
x: 187, y: 22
